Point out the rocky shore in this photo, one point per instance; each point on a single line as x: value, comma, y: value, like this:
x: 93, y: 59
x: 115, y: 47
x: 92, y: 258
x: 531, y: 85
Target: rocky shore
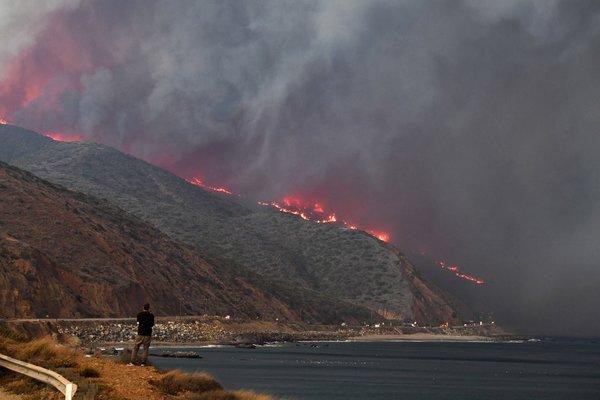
x: 198, y: 332
x: 219, y: 330
x: 206, y: 330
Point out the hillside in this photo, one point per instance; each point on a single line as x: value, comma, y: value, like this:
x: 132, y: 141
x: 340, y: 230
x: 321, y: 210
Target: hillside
x: 65, y: 254
x: 350, y: 265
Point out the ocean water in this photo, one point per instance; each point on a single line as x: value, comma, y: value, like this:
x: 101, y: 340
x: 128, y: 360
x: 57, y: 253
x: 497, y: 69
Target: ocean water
x: 546, y: 369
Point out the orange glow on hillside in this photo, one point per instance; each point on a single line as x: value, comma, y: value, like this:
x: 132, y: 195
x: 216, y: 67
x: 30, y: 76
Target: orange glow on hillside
x: 62, y: 137
x: 307, y: 210
x: 453, y: 268
x: 315, y: 211
x: 199, y: 182
x: 383, y: 236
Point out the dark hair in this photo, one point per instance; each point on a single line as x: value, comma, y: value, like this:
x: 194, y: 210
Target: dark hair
x: 147, y: 306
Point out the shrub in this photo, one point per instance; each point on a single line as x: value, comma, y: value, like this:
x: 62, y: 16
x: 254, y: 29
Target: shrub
x: 246, y: 395
x: 212, y: 395
x: 221, y: 395
x: 11, y: 334
x: 176, y: 382
x: 32, y: 389
x: 46, y: 353
x: 89, y: 372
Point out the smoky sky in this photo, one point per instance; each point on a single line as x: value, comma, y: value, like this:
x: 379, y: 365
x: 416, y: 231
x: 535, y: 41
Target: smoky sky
x: 469, y: 129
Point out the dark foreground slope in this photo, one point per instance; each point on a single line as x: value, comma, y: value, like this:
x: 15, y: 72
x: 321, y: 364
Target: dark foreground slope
x: 65, y: 254
x: 350, y: 265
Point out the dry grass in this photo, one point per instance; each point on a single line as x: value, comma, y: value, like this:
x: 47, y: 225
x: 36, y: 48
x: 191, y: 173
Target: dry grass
x: 89, y: 372
x: 31, y: 389
x: 221, y: 395
x: 43, y: 352
x: 212, y: 395
x: 247, y: 395
x: 11, y: 334
x: 116, y: 381
x: 47, y: 353
x: 199, y: 386
x: 176, y: 382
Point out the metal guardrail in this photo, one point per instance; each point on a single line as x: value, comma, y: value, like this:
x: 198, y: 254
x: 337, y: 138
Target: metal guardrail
x: 41, y: 374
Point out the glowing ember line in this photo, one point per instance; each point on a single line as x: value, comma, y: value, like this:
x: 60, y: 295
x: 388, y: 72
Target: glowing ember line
x: 200, y: 183
x: 456, y: 271
x: 316, y: 212
x: 306, y: 210
x: 61, y: 137
x: 383, y: 236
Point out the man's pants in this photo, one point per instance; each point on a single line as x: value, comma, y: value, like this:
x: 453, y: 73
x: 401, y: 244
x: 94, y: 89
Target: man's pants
x: 141, y: 341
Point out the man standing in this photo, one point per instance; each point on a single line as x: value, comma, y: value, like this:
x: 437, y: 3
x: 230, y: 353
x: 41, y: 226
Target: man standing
x: 145, y: 321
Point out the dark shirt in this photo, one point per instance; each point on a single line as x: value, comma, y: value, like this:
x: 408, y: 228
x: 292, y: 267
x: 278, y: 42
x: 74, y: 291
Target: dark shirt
x: 145, y: 321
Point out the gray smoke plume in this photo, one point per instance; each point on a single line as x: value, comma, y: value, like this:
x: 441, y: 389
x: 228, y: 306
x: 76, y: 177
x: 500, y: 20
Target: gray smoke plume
x: 466, y: 127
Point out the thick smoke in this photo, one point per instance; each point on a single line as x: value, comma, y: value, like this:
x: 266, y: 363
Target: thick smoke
x: 469, y: 128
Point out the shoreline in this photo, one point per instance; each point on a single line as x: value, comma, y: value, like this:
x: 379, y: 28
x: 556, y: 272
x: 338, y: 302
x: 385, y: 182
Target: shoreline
x: 370, y: 338
x: 421, y: 337
x: 215, y: 331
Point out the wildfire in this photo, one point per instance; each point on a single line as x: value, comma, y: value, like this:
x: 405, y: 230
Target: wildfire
x: 309, y: 211
x: 305, y: 210
x: 456, y: 271
x: 199, y: 182
x: 314, y: 211
x: 383, y: 236
x: 61, y: 137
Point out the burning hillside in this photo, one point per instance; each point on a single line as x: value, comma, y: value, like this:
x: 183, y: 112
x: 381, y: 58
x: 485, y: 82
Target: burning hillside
x: 316, y: 212
x: 60, y: 137
x: 455, y: 269
x: 332, y: 260
x: 217, y: 189
x: 309, y: 210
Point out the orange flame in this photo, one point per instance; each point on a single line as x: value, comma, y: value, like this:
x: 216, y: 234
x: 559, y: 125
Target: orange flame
x: 456, y: 271
x: 315, y: 211
x: 308, y: 211
x: 383, y: 236
x: 199, y: 182
x: 62, y: 137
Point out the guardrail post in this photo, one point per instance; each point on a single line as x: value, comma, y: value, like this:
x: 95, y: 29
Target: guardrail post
x: 69, y: 391
x: 52, y: 378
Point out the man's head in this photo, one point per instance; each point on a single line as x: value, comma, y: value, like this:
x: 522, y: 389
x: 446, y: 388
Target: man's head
x: 146, y: 306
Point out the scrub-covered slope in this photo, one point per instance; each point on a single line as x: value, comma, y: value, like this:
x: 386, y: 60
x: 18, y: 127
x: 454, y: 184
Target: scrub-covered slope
x: 350, y: 265
x: 65, y: 254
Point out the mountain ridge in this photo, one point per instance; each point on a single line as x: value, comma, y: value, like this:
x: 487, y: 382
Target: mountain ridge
x: 350, y: 265
x: 67, y: 254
